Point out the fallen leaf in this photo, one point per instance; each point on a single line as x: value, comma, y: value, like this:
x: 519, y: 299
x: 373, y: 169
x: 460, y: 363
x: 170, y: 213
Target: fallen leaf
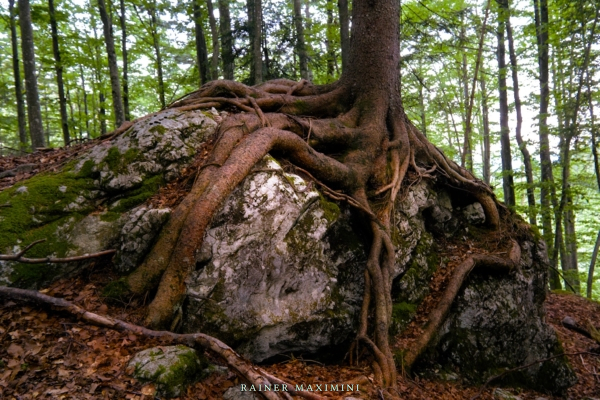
x: 15, y: 350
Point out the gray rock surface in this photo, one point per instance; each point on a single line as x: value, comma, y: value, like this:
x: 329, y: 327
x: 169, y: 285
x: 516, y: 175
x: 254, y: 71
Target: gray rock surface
x: 170, y: 368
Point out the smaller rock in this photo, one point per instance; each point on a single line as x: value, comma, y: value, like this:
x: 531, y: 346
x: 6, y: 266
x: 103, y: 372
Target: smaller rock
x: 171, y: 368
x: 22, y: 189
x: 236, y: 393
x: 63, y: 189
x: 502, y: 394
x: 474, y: 214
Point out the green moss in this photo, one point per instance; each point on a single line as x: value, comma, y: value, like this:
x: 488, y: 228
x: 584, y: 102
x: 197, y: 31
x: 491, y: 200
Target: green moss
x: 87, y: 170
x: 37, y: 211
x: 138, y: 195
x: 117, y: 162
x: 158, y: 129
x: 330, y: 209
x: 110, y: 216
x: 402, y: 314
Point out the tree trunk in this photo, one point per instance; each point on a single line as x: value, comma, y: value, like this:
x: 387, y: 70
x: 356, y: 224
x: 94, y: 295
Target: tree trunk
x: 255, y: 35
x: 522, y: 145
x: 507, y: 171
x: 547, y: 189
x: 344, y: 32
x: 17, y: 74
x: 102, y: 114
x: 85, y: 103
x: 590, y: 279
x: 64, y: 119
x: 201, y: 52
x: 34, y: 110
x: 467, y: 153
x: 214, y: 33
x: 157, y: 53
x: 226, y: 39
x: 122, y: 20
x: 330, y: 34
x: 112, y: 65
x: 300, y: 43
x: 486, y: 131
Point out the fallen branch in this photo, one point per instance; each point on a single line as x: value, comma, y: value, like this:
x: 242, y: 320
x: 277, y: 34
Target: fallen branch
x: 19, y: 256
x: 439, y: 313
x: 591, y: 331
x: 241, y: 367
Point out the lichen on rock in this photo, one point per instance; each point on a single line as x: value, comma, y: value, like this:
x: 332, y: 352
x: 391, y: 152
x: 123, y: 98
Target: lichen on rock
x: 170, y: 368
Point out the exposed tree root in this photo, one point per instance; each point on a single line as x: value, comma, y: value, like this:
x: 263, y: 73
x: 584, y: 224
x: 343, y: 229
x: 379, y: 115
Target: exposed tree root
x: 244, y: 369
x: 20, y: 256
x: 357, y: 145
x: 439, y: 313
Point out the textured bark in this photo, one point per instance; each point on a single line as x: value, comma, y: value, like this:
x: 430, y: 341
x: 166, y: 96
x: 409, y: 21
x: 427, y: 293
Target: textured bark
x: 22, y: 124
x: 226, y: 39
x: 507, y: 171
x: 122, y: 20
x: 344, y: 32
x: 590, y: 279
x: 329, y: 42
x: 255, y: 35
x: 201, y: 52
x: 115, y: 85
x: 522, y: 145
x: 157, y: 53
x: 547, y: 189
x: 62, y: 100
x: 34, y: 110
x: 85, y: 102
x: 214, y: 33
x: 300, y: 42
x: 486, y: 132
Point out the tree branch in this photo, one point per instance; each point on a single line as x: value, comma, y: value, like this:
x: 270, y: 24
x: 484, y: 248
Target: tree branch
x: 19, y: 256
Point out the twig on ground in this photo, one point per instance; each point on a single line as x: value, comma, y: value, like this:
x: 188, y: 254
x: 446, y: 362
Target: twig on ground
x: 19, y: 256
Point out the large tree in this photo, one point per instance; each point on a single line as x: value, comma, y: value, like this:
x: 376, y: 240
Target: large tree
x: 353, y: 137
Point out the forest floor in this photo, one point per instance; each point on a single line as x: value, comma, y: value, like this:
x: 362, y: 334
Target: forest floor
x: 47, y: 354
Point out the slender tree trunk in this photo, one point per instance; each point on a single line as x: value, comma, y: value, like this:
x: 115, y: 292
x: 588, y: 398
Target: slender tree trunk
x: 486, y: 131
x: 330, y: 34
x: 344, y: 32
x: 85, y: 103
x: 521, y: 143
x: 21, y: 118
x: 201, y: 52
x: 157, y: 53
x: 547, y: 190
x: 64, y: 119
x: 226, y: 39
x: 300, y: 43
x: 112, y: 65
x: 507, y: 171
x: 590, y: 279
x: 125, y: 61
x: 214, y: 33
x: 255, y: 35
x: 102, y: 114
x: 467, y: 153
x: 34, y: 110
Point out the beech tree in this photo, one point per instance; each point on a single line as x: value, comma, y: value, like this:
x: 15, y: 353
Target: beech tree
x: 361, y: 147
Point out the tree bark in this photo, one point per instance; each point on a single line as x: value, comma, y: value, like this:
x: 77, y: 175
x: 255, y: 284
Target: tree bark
x: 590, y: 279
x: 112, y: 65
x: 122, y: 20
x: 486, y: 132
x: 64, y: 119
x: 226, y: 39
x: 344, y: 32
x: 21, y: 117
x: 507, y: 171
x: 214, y: 33
x: 329, y: 42
x: 201, y: 52
x: 522, y: 145
x: 85, y: 103
x: 157, y: 53
x: 34, y: 110
x: 255, y: 34
x: 547, y: 188
x: 300, y: 42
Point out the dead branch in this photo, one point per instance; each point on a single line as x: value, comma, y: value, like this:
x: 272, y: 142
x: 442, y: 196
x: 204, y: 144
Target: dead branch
x: 19, y: 256
x: 241, y: 367
x: 589, y: 332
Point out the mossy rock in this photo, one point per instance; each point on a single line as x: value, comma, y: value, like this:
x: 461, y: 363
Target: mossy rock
x: 170, y: 368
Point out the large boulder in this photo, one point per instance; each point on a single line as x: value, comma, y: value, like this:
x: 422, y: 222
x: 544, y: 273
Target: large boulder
x: 281, y: 267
